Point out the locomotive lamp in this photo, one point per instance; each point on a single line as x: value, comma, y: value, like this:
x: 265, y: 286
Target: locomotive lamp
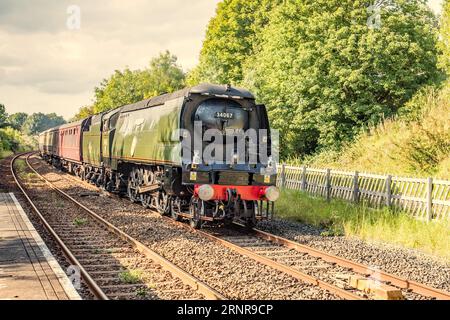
x: 206, y: 192
x: 272, y: 193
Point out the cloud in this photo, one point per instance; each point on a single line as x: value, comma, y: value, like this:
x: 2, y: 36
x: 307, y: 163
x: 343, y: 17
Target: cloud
x: 53, y: 66
x: 31, y: 100
x: 25, y: 16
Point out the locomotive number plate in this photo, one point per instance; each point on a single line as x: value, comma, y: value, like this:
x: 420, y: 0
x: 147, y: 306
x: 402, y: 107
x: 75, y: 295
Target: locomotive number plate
x: 224, y: 115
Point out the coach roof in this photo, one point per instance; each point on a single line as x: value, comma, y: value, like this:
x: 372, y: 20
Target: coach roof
x: 203, y: 89
x: 221, y: 90
x: 71, y: 124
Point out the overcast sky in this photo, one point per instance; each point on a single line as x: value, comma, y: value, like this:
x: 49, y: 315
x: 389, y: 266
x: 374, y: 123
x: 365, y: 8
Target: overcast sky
x: 47, y: 67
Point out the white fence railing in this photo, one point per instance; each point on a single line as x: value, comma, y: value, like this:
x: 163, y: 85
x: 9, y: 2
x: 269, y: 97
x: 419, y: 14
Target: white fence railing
x: 426, y: 199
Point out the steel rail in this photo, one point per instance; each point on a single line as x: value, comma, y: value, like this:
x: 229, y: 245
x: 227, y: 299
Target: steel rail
x: 397, y: 281
x: 355, y: 266
x: 266, y: 261
x: 185, y: 277
x: 273, y: 264
x: 284, y: 268
x: 92, y: 285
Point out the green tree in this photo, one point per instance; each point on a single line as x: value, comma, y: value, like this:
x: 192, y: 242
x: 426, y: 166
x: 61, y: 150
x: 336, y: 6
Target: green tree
x: 83, y: 113
x: 230, y: 40
x: 130, y: 86
x: 38, y: 122
x: 123, y: 87
x: 3, y: 116
x: 163, y: 75
x: 13, y: 140
x: 325, y: 72
x: 16, y: 120
x: 444, y: 43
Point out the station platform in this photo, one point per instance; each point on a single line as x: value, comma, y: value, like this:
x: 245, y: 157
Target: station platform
x: 28, y: 270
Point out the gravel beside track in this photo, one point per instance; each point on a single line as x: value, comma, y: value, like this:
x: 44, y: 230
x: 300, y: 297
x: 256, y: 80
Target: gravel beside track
x: 329, y: 272
x: 251, y: 282
x: 407, y: 263
x: 121, y: 271
x: 7, y: 185
x: 233, y: 275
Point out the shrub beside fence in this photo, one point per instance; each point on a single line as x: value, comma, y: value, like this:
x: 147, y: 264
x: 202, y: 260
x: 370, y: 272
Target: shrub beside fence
x: 427, y: 199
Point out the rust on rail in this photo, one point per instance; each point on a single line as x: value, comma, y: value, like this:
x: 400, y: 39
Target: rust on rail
x: 357, y: 267
x: 92, y: 285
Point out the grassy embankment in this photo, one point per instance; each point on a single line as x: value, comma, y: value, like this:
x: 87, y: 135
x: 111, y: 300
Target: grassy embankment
x: 343, y: 218
x: 13, y: 141
x: 416, y: 143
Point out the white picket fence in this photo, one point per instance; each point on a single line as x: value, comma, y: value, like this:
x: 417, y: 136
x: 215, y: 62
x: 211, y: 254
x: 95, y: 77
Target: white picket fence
x: 425, y: 199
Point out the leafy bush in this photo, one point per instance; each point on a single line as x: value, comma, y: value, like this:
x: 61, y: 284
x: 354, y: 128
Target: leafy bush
x: 444, y: 42
x: 17, y: 120
x: 415, y: 143
x: 131, y: 276
x: 130, y: 86
x: 318, y: 66
x: 12, y: 141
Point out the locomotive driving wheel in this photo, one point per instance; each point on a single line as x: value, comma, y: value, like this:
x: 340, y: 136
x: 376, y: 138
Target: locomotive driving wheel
x: 175, y: 209
x: 133, y: 186
x: 147, y: 200
x: 196, y: 209
x: 252, y: 207
x: 163, y: 201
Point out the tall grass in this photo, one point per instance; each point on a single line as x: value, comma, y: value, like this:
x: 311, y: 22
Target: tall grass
x: 343, y: 218
x: 4, y: 154
x: 416, y: 143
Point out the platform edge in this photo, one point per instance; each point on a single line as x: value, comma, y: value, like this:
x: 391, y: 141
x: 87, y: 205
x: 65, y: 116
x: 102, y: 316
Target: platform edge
x: 66, y: 284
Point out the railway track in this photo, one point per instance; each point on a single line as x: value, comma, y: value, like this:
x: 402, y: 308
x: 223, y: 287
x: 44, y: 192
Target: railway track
x: 112, y: 264
x: 402, y: 283
x: 317, y: 267
x: 345, y: 278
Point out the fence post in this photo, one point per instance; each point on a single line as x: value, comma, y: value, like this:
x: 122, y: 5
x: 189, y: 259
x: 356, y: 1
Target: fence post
x: 283, y: 175
x: 304, y: 178
x: 356, y: 187
x: 430, y: 199
x: 388, y: 190
x: 328, y: 184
